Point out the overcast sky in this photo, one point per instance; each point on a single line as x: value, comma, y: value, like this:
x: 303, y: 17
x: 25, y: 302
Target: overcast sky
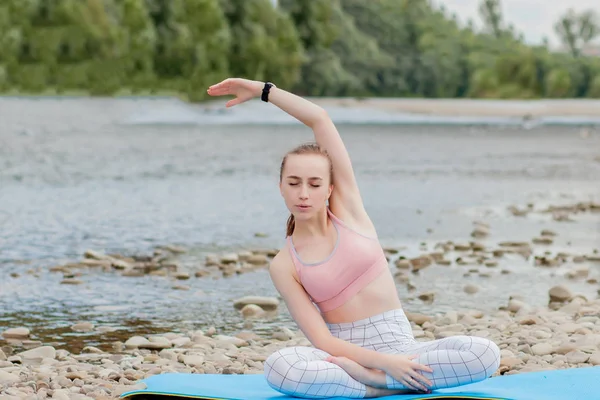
x: 534, y: 18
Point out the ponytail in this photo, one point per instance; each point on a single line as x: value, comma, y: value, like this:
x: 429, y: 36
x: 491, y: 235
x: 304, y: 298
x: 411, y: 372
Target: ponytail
x: 290, y: 225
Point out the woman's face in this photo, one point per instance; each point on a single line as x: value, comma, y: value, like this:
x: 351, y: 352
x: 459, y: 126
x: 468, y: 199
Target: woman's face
x: 305, y: 184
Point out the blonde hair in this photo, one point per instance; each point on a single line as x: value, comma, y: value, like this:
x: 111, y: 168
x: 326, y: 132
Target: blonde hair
x: 307, y: 148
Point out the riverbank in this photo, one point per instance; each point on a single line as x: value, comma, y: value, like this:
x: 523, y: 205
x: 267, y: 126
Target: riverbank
x: 562, y: 333
x: 451, y: 107
x: 156, y: 228
x: 473, y: 107
x: 565, y: 334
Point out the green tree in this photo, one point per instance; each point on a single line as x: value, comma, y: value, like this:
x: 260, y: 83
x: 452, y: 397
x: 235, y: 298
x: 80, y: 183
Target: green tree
x: 266, y: 44
x: 103, y: 46
x: 491, y: 14
x: 594, y: 91
x: 316, y: 47
x: 558, y: 83
x: 397, y: 33
x: 15, y: 17
x: 322, y: 71
x: 360, y: 55
x: 141, y: 40
x: 577, y: 30
x: 192, y: 46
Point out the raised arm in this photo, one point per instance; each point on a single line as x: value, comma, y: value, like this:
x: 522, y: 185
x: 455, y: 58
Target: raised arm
x: 345, y: 190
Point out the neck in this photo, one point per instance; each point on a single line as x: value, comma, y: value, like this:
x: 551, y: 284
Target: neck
x: 315, y: 226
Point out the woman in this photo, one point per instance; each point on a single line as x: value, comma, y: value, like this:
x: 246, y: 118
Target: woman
x: 334, y: 278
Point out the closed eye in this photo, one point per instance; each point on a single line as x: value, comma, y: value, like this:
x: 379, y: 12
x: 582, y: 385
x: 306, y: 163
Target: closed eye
x: 296, y: 184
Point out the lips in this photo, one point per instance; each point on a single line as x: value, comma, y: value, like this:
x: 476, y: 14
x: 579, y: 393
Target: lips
x: 303, y: 207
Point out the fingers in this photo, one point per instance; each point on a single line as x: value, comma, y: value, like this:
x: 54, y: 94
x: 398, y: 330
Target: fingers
x: 420, y: 379
x: 233, y: 102
x: 416, y: 379
x: 422, y: 367
x: 411, y: 383
x: 221, y: 88
x: 218, y: 91
x: 223, y: 83
x: 418, y: 366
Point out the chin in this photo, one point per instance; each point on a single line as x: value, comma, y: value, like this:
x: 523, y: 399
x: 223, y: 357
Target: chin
x: 303, y: 216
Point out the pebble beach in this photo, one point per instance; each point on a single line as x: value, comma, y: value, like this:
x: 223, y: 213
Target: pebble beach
x: 563, y: 334
x: 508, y: 250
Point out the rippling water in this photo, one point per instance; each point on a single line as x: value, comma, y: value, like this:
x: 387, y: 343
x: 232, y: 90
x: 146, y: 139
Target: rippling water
x: 128, y: 175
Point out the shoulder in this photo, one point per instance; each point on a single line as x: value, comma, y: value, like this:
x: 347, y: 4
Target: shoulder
x: 282, y: 264
x: 279, y: 260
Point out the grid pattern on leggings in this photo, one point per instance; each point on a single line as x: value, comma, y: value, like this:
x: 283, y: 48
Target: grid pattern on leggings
x: 383, y: 333
x: 455, y: 360
x: 301, y: 371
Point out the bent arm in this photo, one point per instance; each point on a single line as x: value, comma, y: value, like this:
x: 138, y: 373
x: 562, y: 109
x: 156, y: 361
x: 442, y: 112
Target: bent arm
x: 311, y: 323
x: 345, y: 191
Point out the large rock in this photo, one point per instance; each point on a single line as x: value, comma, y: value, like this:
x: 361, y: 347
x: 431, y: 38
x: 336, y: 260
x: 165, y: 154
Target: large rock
x: 8, y: 378
x: 421, y: 262
x: 16, y: 333
x: 480, y: 231
x: 95, y: 255
x: 252, y: 311
x: 266, y: 303
x: 136, y: 341
x: 541, y: 349
x: 38, y: 354
x: 559, y: 294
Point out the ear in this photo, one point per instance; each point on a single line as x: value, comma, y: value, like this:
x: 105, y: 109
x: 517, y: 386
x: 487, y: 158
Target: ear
x: 330, y: 191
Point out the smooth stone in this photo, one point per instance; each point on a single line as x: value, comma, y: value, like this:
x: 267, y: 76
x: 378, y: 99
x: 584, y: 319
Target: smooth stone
x: 230, y: 258
x: 83, y: 327
x: 16, y: 333
x: 266, y: 303
x: 195, y: 360
x: 231, y: 339
x: 595, y: 358
x: 560, y: 293
x: 577, y: 357
x: 541, y: 349
x: 136, y: 341
x: 38, y: 354
x: 471, y: 289
x: 8, y: 378
x: 417, y: 318
x: 157, y: 343
x: 252, y: 311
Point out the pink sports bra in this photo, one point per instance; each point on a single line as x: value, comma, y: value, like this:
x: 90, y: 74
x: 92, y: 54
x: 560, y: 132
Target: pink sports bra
x: 354, y: 262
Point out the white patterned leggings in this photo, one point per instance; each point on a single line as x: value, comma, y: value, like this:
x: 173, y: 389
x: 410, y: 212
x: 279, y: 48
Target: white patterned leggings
x: 303, y: 372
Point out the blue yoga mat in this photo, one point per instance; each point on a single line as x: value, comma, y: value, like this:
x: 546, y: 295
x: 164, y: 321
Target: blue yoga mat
x: 564, y: 384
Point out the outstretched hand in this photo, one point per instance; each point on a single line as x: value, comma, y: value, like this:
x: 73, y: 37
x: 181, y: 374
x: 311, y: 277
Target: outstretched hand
x: 242, y: 89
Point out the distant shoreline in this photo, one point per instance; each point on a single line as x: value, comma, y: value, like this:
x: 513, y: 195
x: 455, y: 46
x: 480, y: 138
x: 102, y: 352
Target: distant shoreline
x: 473, y: 107
x: 447, y: 107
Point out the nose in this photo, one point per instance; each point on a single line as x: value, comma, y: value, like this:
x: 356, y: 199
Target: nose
x: 304, y: 193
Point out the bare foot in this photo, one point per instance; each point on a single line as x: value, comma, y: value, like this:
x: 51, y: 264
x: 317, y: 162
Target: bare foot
x: 368, y: 376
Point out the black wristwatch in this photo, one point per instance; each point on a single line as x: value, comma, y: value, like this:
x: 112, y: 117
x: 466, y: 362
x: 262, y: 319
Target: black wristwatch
x: 265, y: 92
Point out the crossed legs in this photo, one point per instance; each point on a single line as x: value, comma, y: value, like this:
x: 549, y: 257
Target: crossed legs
x: 303, y: 371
